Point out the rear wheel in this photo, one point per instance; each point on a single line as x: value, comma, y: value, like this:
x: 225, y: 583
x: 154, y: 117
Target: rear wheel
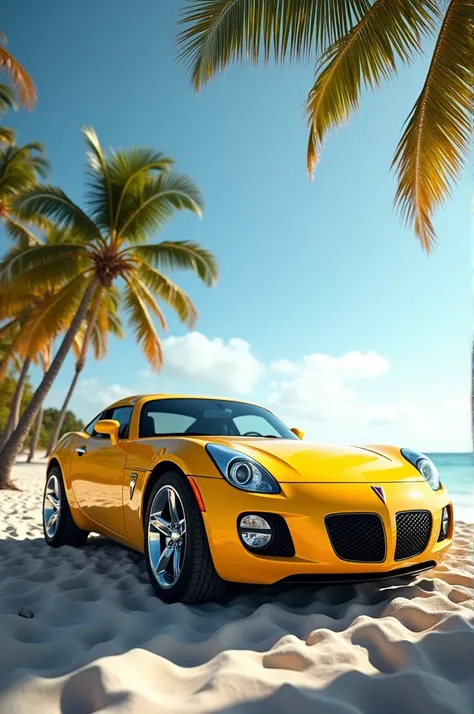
x: 58, y: 526
x: 178, y: 557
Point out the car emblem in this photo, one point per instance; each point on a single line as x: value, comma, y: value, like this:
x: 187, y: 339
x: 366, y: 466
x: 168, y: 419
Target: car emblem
x: 380, y: 492
x: 133, y: 481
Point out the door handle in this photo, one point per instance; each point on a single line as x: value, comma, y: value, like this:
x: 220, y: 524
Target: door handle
x: 81, y: 450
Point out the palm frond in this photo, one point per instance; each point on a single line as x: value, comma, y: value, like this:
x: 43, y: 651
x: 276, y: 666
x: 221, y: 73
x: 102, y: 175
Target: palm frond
x: 180, y: 255
x: 52, y: 203
x: 100, y: 336
x: 7, y: 98
x: 165, y: 289
x: 61, y: 259
x: 19, y: 77
x: 20, y: 167
x: 390, y: 31
x: 142, y: 324
x: 78, y: 341
x: 219, y: 32
x: 7, y: 136
x: 106, y: 321
x: 115, y: 326
x: 15, y: 304
x: 436, y: 141
x: 100, y: 196
x: 23, y: 236
x: 10, y: 334
x: 149, y: 208
x: 131, y: 169
x: 51, y: 316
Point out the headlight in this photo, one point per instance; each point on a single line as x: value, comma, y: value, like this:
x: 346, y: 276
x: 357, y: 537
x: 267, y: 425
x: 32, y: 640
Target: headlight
x: 241, y: 470
x: 424, y: 465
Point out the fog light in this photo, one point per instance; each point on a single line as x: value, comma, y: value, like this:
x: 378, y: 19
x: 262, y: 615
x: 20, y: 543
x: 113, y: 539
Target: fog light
x: 445, y: 522
x: 255, y: 531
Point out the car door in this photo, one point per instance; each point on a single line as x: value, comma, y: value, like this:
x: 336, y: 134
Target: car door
x: 97, y: 471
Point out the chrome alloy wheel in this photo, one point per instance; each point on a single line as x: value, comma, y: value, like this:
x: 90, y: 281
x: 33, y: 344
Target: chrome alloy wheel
x: 167, y: 536
x: 51, y: 506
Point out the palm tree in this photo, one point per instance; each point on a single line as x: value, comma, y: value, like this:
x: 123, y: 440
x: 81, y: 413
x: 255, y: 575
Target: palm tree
x: 358, y: 44
x: 19, y: 310
x: 131, y: 194
x: 19, y: 77
x: 102, y: 320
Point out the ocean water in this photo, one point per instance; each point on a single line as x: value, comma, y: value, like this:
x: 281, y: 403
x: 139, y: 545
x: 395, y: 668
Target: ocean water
x: 457, y: 475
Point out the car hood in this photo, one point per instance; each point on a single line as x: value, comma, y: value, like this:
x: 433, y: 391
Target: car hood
x: 299, y: 461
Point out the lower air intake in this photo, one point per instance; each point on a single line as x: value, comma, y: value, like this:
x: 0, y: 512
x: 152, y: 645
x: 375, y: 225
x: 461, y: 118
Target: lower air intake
x: 357, y: 537
x: 413, y: 533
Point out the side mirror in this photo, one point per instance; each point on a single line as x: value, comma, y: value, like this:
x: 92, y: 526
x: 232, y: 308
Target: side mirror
x: 296, y: 432
x: 110, y: 427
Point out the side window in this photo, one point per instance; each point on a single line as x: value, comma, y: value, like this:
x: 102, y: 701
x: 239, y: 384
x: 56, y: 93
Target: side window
x: 256, y: 423
x: 123, y: 416
x: 90, y: 427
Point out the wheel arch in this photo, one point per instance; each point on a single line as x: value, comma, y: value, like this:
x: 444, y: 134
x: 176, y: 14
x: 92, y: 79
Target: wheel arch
x: 158, y: 471
x: 54, y: 462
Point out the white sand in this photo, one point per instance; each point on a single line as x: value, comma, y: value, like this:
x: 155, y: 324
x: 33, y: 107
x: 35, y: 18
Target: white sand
x: 101, y: 641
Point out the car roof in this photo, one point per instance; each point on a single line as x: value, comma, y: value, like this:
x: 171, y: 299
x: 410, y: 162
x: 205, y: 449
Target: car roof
x: 133, y: 399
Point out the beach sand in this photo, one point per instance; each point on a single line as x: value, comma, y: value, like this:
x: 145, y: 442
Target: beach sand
x: 101, y: 641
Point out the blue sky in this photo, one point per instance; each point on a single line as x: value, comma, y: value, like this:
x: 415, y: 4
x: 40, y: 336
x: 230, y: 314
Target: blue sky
x: 306, y: 268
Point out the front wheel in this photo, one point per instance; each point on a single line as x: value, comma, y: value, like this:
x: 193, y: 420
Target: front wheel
x: 178, y: 558
x: 58, y: 525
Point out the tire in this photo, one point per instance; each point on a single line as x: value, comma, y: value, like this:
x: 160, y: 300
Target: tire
x: 197, y: 580
x: 64, y: 531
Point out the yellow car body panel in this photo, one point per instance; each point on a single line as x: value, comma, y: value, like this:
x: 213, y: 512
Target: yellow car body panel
x: 316, y: 481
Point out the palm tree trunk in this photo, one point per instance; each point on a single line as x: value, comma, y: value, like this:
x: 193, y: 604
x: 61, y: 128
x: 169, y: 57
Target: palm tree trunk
x: 14, y: 416
x: 57, y: 427
x: 79, y: 367
x: 35, y: 435
x: 16, y: 441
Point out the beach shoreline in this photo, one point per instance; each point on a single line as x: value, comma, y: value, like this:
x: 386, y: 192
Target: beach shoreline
x: 101, y: 641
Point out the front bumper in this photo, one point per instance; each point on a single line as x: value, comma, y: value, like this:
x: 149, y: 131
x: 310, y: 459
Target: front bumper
x: 304, y: 508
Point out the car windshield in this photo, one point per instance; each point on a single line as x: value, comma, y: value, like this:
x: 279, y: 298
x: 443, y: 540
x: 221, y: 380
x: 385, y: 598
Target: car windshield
x: 209, y: 417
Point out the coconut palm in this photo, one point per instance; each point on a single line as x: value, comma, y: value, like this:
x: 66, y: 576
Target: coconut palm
x: 18, y: 310
x: 19, y: 77
x: 131, y: 194
x: 101, y: 321
x: 358, y: 44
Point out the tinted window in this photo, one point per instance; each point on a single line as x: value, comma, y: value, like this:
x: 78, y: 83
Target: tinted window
x: 90, y: 427
x: 120, y: 414
x: 209, y: 417
x: 123, y: 416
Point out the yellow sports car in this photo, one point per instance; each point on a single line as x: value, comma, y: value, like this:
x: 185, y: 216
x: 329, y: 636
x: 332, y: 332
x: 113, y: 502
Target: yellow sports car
x: 218, y: 490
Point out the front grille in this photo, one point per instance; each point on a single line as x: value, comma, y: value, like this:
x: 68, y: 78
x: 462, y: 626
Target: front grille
x: 357, y: 537
x: 413, y: 533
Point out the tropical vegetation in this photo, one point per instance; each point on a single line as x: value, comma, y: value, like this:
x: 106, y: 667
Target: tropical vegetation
x: 67, y: 286
x: 357, y: 44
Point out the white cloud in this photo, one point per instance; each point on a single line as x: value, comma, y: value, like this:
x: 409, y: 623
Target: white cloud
x: 229, y: 366
x: 317, y: 388
x: 333, y: 398
x: 96, y: 394
x: 324, y: 395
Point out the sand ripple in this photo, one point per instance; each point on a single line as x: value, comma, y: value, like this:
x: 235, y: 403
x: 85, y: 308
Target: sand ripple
x: 101, y: 641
